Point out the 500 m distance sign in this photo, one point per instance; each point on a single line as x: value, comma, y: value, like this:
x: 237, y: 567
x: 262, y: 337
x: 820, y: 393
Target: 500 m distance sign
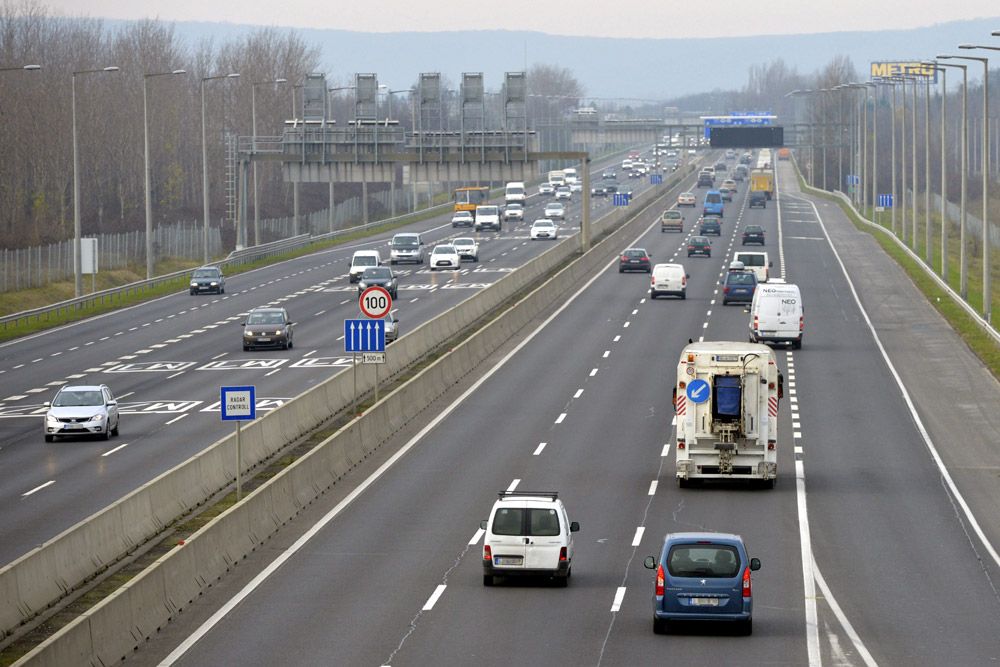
x: 375, y: 302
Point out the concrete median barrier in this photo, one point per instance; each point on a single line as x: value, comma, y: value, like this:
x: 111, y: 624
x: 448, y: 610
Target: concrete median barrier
x: 44, y: 575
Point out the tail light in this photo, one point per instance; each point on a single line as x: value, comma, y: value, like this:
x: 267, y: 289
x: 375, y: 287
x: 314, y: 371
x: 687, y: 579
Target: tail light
x: 725, y: 290
x: 624, y: 258
x: 659, y: 581
x: 746, y: 583
x: 487, y: 553
x: 756, y: 323
x: 770, y: 445
x: 684, y: 281
x: 802, y: 324
x: 680, y: 444
x: 562, y: 555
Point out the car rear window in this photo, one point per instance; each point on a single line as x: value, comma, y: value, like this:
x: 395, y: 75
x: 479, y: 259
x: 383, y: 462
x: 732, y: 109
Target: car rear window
x: 751, y: 260
x: 508, y: 521
x: 541, y: 522
x: 707, y: 561
x: 714, y: 198
x: 365, y: 260
x: 740, y: 278
x: 635, y: 253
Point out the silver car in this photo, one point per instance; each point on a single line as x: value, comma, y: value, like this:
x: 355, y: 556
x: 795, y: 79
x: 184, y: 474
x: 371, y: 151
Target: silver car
x: 555, y: 210
x: 82, y: 410
x: 391, y: 323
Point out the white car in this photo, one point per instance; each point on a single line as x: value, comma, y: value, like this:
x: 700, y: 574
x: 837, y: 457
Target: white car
x: 555, y: 210
x: 543, y: 229
x: 528, y: 534
x: 466, y: 247
x: 668, y: 279
x: 82, y: 410
x: 546, y: 189
x: 444, y: 256
x: 513, y: 212
x: 563, y: 192
x: 463, y: 219
x: 576, y: 187
x: 488, y: 215
x: 361, y: 260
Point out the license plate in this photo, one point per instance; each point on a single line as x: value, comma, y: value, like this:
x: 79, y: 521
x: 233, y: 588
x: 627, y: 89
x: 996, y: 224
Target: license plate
x: 507, y: 560
x: 263, y: 340
x: 704, y: 602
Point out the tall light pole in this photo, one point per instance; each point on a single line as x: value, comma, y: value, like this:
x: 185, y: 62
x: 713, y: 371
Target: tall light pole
x: 963, y: 274
x: 253, y: 123
x: 150, y: 260
x: 812, y: 137
x: 987, y: 273
x: 944, y: 170
x: 204, y: 160
x: 77, y: 276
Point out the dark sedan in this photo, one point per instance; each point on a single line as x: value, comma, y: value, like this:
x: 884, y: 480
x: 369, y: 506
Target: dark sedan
x: 381, y: 276
x: 753, y: 234
x: 208, y: 279
x: 700, y: 245
x: 267, y: 327
x: 634, y: 259
x: 710, y: 225
x: 738, y: 287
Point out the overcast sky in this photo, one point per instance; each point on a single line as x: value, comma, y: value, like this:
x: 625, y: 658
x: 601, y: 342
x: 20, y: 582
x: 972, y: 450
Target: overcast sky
x: 602, y: 18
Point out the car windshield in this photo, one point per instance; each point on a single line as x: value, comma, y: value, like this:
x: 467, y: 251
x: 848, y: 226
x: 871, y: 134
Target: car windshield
x: 740, y: 278
x: 635, y: 253
x: 405, y: 242
x: 444, y: 250
x: 543, y: 223
x: 706, y: 561
x: 486, y: 210
x: 78, y: 397
x: 555, y: 207
x: 463, y: 214
x: 206, y: 273
x: 514, y: 207
x: 365, y: 260
x: 751, y: 260
x: 269, y: 317
x: 377, y: 273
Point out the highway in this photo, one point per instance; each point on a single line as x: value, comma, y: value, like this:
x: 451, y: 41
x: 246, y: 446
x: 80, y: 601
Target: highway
x: 868, y: 555
x: 166, y: 359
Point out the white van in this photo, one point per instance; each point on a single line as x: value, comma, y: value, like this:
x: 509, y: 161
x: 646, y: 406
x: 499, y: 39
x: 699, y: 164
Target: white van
x: 757, y: 262
x: 569, y: 173
x: 528, y: 534
x: 488, y: 216
x: 514, y: 192
x: 360, y: 261
x: 668, y: 279
x: 557, y: 178
x: 406, y: 247
x: 777, y: 315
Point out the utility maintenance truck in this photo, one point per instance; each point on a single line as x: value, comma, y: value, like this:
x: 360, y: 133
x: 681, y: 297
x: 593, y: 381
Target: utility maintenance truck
x: 726, y: 400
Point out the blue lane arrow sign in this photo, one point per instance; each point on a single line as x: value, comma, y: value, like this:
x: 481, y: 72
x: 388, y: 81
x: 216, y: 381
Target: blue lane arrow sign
x: 698, y: 391
x: 364, y: 336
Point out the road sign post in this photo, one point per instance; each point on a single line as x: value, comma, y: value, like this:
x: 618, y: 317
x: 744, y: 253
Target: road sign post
x: 239, y: 404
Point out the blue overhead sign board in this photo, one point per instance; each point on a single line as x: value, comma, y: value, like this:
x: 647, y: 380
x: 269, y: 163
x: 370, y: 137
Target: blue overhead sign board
x: 364, y: 336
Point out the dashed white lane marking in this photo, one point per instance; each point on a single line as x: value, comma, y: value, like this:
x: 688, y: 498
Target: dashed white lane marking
x: 666, y: 450
x: 635, y: 312
x: 56, y: 383
x: 272, y: 372
x: 340, y: 338
x: 38, y: 488
x: 319, y: 313
x: 642, y: 301
x: 345, y: 301
x: 177, y: 419
x: 475, y: 538
x: 432, y: 600
x: 170, y: 377
x: 560, y: 418
x: 593, y: 372
x: 798, y: 449
x: 539, y: 449
x: 637, y: 540
x: 625, y: 325
x: 15, y: 397
x: 619, y: 597
x: 219, y: 356
x: 797, y: 434
x: 112, y: 451
x: 607, y: 353
x: 35, y: 361
x: 513, y: 485
x: 616, y: 339
x: 310, y: 353
x: 36, y: 390
x: 18, y: 366
x: 652, y: 488
x: 578, y: 394
x: 705, y: 325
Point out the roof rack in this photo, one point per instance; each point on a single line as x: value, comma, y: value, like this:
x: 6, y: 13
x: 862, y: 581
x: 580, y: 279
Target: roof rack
x: 551, y: 495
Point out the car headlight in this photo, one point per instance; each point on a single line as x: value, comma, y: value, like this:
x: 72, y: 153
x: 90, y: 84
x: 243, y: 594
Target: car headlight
x: 362, y: 284
x: 97, y: 418
x: 277, y: 333
x: 215, y: 284
x: 194, y: 283
x: 51, y: 419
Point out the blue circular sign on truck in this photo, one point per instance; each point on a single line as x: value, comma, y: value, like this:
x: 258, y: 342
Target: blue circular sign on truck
x: 698, y: 391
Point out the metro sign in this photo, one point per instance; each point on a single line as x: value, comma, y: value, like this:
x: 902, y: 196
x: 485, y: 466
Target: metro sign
x: 887, y: 69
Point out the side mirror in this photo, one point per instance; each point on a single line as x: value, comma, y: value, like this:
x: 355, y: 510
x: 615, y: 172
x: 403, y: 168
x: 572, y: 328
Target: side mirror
x: 754, y: 564
x: 649, y: 563
x: 243, y: 324
x: 574, y: 527
x: 686, y: 275
x: 112, y: 403
x: 291, y: 323
x: 770, y: 265
x: 482, y: 524
x: 47, y: 404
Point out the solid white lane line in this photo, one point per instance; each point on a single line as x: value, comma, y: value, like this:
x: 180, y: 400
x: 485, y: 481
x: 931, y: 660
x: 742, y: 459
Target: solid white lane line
x: 475, y: 538
x: 666, y: 450
x: 513, y: 485
x: 432, y: 600
x: 619, y: 596
x: 578, y: 394
x: 539, y: 449
x: 177, y: 419
x: 652, y: 488
x: 38, y: 488
x: 855, y: 638
x: 112, y: 451
x: 560, y: 418
x: 808, y: 569
x: 637, y: 540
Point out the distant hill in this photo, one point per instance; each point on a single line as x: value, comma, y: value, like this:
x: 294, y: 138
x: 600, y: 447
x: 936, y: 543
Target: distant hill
x: 642, y: 68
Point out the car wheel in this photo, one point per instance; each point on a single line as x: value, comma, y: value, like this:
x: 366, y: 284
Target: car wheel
x: 392, y: 262
x: 107, y: 432
x: 797, y: 344
x: 49, y: 438
x: 767, y: 483
x: 114, y: 431
x: 246, y: 348
x: 222, y: 291
x: 621, y: 270
x: 488, y: 580
x: 659, y: 626
x: 746, y: 627
x: 192, y: 292
x: 291, y: 343
x: 562, y: 582
x: 684, y: 295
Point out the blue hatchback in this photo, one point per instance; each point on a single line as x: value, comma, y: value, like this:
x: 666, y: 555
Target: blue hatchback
x: 703, y: 577
x: 713, y: 203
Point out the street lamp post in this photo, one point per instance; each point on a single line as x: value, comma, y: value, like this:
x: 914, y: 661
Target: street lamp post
x: 987, y: 274
x: 150, y: 259
x: 77, y: 275
x: 944, y: 171
x: 963, y: 276
x: 253, y: 122
x: 204, y: 161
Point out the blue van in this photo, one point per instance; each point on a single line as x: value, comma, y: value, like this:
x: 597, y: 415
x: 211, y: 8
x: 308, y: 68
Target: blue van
x: 713, y: 203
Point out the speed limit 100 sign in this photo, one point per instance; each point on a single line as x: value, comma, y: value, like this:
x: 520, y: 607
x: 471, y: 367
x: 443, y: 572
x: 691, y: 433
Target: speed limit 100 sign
x: 375, y: 302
